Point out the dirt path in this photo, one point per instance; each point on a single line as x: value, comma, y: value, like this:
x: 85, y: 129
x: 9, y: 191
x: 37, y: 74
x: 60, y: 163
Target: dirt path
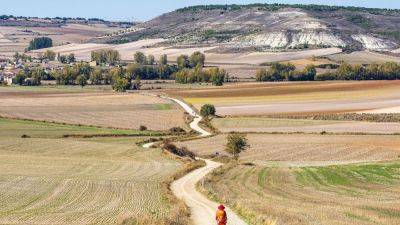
x: 203, y: 210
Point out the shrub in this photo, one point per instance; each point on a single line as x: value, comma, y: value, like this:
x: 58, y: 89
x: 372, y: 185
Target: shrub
x: 25, y: 136
x: 179, y: 151
x: 120, y: 85
x: 207, y: 110
x: 142, y: 128
x: 177, y: 130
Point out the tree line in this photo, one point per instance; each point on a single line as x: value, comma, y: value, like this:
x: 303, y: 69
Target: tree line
x: 287, y: 71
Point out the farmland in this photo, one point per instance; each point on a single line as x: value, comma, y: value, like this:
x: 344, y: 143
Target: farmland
x: 295, y: 98
x: 49, y: 179
x: 363, y: 57
x: 260, y: 124
x: 347, y: 194
x: 306, y: 149
x: 16, y: 38
x: 105, y: 109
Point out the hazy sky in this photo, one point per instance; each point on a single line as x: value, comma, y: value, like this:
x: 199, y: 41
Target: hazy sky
x: 144, y: 9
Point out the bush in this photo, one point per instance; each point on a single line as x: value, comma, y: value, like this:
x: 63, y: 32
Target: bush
x: 207, y: 110
x: 25, y: 136
x: 142, y: 128
x: 120, y: 85
x: 177, y: 130
x: 179, y: 151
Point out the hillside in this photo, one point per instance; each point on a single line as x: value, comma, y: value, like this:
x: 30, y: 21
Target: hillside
x: 265, y: 26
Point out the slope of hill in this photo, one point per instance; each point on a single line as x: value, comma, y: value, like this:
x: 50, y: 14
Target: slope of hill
x: 265, y: 26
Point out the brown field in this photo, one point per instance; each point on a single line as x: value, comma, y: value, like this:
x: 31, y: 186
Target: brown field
x: 292, y: 97
x: 364, y: 57
x: 306, y: 149
x: 51, y: 180
x: 92, y: 108
x: 257, y: 124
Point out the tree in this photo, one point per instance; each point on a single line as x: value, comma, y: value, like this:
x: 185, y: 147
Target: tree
x: 50, y: 55
x: 236, y: 143
x: 120, y: 85
x: 207, y: 110
x: 19, y: 78
x: 197, y: 58
x: 62, y: 58
x: 71, y: 58
x: 150, y: 60
x: 136, y: 85
x: 183, y: 62
x: 105, y: 56
x: 96, y: 76
x: 81, y: 80
x: 163, y: 60
x: 140, y: 58
x: 217, y: 76
x: 39, y: 43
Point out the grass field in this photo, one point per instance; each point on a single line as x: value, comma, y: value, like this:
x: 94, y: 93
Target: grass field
x: 106, y: 109
x: 295, y: 97
x: 46, y: 179
x: 349, y: 194
x: 262, y: 124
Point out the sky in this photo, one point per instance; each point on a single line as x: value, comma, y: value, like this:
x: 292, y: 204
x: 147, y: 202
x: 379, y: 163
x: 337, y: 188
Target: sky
x: 142, y: 10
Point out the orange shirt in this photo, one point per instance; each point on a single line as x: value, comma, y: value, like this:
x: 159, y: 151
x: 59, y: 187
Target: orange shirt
x: 221, y: 217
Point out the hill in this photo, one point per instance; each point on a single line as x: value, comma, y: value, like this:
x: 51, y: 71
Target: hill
x: 273, y: 26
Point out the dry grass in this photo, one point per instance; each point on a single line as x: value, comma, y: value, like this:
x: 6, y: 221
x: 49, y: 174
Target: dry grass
x: 93, y: 108
x: 80, y: 181
x: 339, y: 195
x: 306, y: 149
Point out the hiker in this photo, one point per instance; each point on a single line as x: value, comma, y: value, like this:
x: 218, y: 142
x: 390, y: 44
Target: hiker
x: 221, y: 215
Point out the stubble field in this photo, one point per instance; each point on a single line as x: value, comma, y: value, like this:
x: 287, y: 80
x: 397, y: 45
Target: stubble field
x: 295, y: 98
x: 105, y: 109
x: 47, y: 179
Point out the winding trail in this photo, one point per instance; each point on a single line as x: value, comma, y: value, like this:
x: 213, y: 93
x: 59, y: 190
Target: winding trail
x: 202, y: 209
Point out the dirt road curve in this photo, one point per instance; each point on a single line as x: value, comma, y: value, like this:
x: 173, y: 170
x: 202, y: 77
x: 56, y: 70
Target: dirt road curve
x: 197, y: 118
x: 203, y: 210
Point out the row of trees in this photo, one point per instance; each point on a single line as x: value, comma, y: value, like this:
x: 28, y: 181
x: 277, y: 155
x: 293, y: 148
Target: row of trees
x: 39, y: 43
x: 216, y: 76
x: 385, y: 71
x: 106, y: 56
x: 280, y: 72
x: 31, y: 77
